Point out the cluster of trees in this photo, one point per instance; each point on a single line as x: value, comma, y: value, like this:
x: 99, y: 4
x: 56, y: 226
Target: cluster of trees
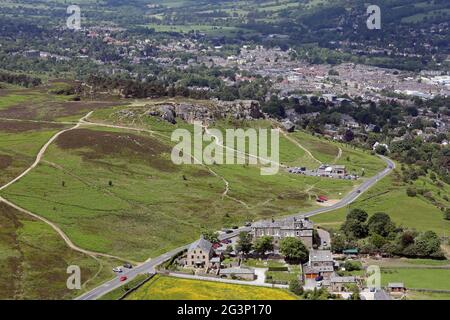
x: 428, y: 156
x: 379, y: 234
x: 293, y: 249
x: 20, y: 79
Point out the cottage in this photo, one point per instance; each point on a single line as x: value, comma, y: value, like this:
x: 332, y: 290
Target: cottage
x: 340, y: 284
x: 199, y: 254
x: 301, y: 228
x: 321, y: 263
x: 396, y: 287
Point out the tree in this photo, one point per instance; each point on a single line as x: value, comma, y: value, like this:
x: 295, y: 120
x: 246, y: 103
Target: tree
x: 349, y: 135
x: 428, y: 244
x: 338, y: 243
x: 354, y: 229
x: 263, y: 244
x: 358, y: 214
x: 380, y: 223
x: 244, y: 243
x: 294, y: 249
x: 211, y: 236
x: 353, y: 288
x: 447, y: 214
x: 411, y: 192
x: 381, y: 149
x: 377, y: 241
x: 296, y: 287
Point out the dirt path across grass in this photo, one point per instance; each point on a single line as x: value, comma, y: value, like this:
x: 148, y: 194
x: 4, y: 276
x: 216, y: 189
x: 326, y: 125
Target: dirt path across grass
x: 38, y: 159
x: 85, y: 121
x: 339, y: 155
x: 300, y: 146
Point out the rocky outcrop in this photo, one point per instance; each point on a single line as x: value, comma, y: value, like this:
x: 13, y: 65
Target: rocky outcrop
x: 288, y: 126
x: 240, y: 110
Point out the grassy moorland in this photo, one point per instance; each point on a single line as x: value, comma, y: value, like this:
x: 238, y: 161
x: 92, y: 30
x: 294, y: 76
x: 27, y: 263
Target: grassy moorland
x: 147, y: 194
x: 34, y: 260
x: 167, y: 288
x: 125, y: 182
x: 116, y: 191
x: 19, y: 144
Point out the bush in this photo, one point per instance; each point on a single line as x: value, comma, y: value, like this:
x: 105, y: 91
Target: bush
x: 447, y: 214
x: 351, y: 265
x: 411, y: 192
x: 278, y: 269
x: 296, y: 287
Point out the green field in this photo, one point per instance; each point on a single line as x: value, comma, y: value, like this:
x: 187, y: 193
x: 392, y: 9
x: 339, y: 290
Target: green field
x: 125, y: 182
x: 34, y: 259
x: 389, y: 195
x: 168, y: 288
x: 436, y: 279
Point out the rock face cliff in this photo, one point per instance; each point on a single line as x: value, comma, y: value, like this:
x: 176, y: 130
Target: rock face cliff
x: 240, y: 110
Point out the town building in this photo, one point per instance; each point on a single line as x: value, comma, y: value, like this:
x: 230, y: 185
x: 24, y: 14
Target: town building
x: 341, y: 284
x: 301, y: 228
x: 338, y: 171
x: 199, y: 254
x: 320, y: 264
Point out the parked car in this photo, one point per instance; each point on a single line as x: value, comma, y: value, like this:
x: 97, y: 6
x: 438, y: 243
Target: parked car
x: 128, y: 266
x: 229, y: 231
x: 248, y: 224
x: 319, y: 278
x: 123, y: 278
x: 234, y: 227
x: 117, y: 270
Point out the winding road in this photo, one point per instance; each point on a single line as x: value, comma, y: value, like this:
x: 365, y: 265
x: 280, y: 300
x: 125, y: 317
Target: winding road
x: 150, y: 265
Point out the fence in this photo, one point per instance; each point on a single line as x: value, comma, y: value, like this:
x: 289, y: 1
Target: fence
x: 137, y: 286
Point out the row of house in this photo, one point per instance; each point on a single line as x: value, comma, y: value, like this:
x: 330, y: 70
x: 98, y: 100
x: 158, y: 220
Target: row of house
x: 301, y: 228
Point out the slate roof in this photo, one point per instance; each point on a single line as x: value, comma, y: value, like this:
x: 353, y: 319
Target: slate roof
x: 343, y: 280
x: 237, y: 271
x: 396, y: 285
x: 320, y: 256
x: 287, y: 223
x: 202, y: 244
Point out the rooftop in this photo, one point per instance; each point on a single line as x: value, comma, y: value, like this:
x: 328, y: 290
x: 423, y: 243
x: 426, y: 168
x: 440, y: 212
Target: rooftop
x: 202, y: 244
x: 284, y: 223
x: 396, y: 285
x: 320, y: 255
x: 237, y: 271
x: 348, y: 279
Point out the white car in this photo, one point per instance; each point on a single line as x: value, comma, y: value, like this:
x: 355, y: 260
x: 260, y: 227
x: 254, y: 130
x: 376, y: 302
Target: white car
x: 118, y: 269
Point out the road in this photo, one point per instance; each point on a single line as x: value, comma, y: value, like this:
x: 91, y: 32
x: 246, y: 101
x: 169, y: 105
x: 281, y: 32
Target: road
x: 149, y: 266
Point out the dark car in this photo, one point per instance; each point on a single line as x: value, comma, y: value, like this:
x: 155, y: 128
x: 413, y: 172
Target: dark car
x: 228, y: 231
x: 128, y: 266
x: 319, y: 278
x: 358, y: 191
